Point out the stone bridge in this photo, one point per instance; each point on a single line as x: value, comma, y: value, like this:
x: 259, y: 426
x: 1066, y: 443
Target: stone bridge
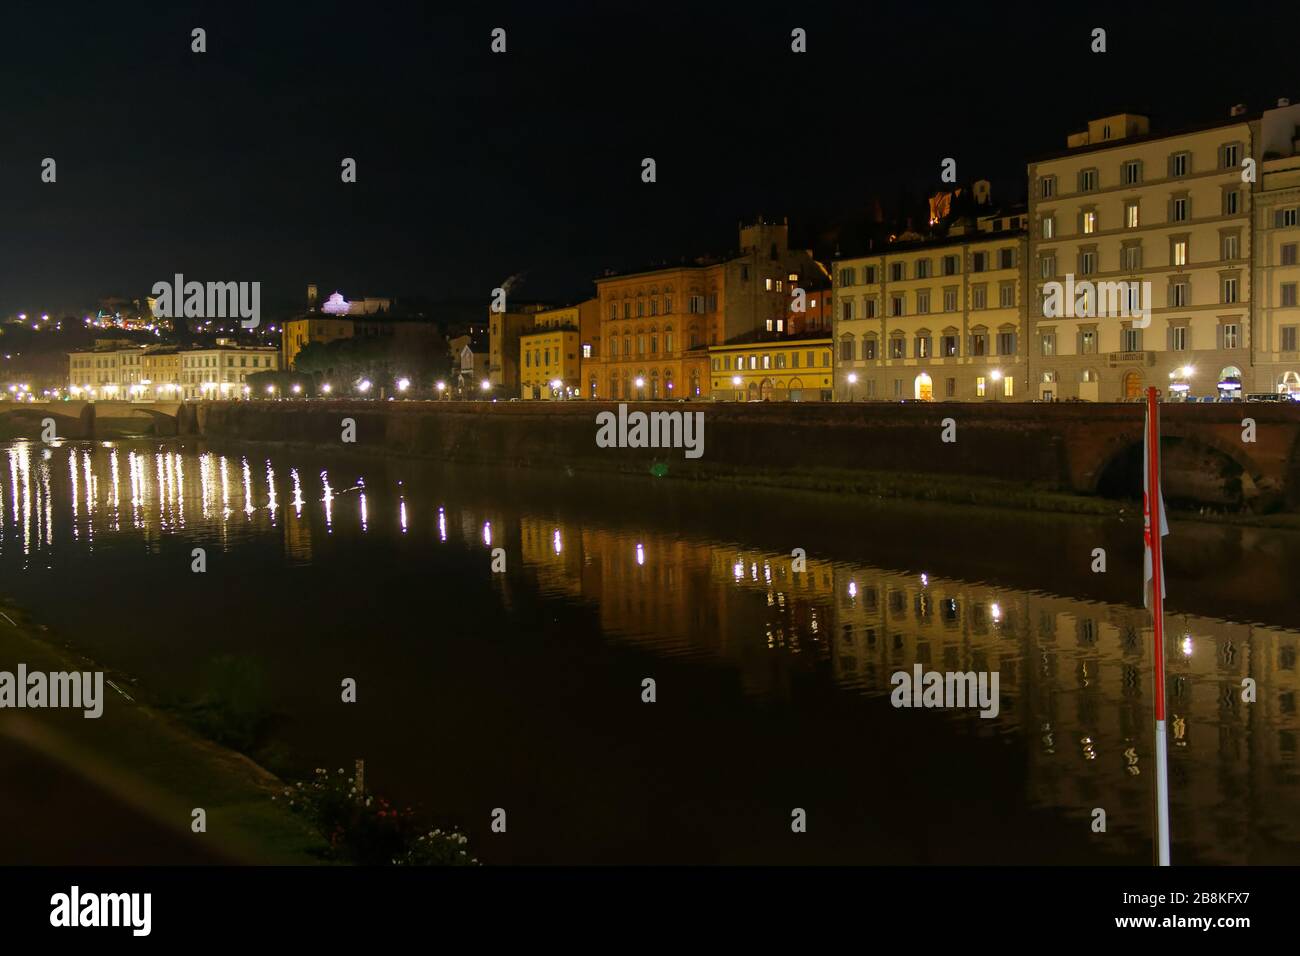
x: 81, y: 419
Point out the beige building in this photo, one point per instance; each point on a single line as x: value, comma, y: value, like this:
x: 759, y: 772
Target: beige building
x: 1168, y: 214
x: 222, y: 371
x: 1276, y: 340
x: 935, y: 320
x: 505, y: 329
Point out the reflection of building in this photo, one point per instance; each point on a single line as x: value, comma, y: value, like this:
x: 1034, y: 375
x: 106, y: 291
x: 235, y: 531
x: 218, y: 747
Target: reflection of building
x: 938, y: 319
x: 788, y: 369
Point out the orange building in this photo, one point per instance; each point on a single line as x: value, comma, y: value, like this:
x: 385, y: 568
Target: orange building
x: 656, y: 326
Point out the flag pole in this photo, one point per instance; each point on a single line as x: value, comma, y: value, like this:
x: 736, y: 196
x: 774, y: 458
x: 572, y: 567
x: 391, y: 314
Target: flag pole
x: 1155, y: 509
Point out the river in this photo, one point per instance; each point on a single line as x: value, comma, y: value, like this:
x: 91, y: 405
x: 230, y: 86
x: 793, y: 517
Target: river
x: 522, y: 689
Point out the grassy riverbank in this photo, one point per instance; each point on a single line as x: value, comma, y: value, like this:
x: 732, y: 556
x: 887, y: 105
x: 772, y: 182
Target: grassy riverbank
x: 121, y: 788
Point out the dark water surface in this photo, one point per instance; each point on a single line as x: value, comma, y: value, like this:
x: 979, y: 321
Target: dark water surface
x: 522, y: 690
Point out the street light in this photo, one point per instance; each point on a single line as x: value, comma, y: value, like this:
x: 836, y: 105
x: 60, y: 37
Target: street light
x: 735, y: 381
x: 327, y: 388
x: 484, y: 385
x: 441, y: 387
x: 297, y: 389
x: 853, y: 380
x: 403, y: 384
x: 364, y: 385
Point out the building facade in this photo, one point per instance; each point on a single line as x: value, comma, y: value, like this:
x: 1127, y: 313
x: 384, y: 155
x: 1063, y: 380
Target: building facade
x: 935, y: 320
x: 1276, y: 336
x: 222, y: 371
x: 1169, y: 215
x: 550, y: 355
x: 505, y: 329
x: 656, y: 327
x: 797, y: 369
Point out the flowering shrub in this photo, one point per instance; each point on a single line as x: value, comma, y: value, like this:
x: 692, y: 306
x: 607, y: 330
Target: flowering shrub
x: 368, y: 830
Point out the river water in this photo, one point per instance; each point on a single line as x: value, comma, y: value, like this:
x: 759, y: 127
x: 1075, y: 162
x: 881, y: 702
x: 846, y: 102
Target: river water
x: 523, y: 690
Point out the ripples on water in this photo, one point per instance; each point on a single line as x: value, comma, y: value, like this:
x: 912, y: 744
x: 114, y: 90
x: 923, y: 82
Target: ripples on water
x: 1074, y: 674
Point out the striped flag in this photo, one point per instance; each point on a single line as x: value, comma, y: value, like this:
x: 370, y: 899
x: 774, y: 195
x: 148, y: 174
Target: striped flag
x: 1147, y: 570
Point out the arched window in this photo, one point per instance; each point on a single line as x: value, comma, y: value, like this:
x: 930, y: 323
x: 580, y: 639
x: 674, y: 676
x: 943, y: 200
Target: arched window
x: 654, y: 383
x: 668, y: 340
x: 654, y: 341
x: 668, y: 383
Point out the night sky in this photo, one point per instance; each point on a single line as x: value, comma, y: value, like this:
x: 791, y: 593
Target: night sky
x: 474, y: 166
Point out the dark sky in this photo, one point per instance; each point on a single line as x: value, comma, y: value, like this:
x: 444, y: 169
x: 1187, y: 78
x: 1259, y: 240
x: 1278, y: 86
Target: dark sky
x: 474, y: 166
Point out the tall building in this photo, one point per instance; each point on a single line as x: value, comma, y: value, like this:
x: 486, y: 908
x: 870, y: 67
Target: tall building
x: 656, y: 326
x: 504, y: 332
x: 1276, y: 337
x: 1169, y: 214
x: 935, y: 319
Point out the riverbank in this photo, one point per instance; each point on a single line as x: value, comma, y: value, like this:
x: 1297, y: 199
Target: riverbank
x: 121, y: 788
x: 1078, y: 459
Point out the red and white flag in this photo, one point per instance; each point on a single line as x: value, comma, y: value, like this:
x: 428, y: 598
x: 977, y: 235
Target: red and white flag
x: 1147, y: 570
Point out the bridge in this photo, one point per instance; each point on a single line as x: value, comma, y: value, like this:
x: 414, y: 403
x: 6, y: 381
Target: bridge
x: 82, y: 419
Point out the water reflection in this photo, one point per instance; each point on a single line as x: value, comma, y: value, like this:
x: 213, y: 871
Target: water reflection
x: 1074, y: 675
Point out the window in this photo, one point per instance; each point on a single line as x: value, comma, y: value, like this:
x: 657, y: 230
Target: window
x: 1131, y: 217
x: 1288, y: 337
x: 1179, y: 163
x: 627, y: 310
x: 869, y: 275
x: 1047, y: 266
x: 1229, y: 155
x: 1047, y: 343
x: 1087, y: 342
x: 1130, y: 172
x: 1131, y: 340
x: 1006, y: 258
x: 980, y: 262
x: 1179, y: 253
x: 1179, y: 294
x: 979, y: 386
x: 1007, y: 295
x: 1008, y: 387
x: 1231, y: 202
x: 923, y: 346
x: 1006, y: 343
x: 1178, y: 210
x: 1231, y: 246
x: 871, y: 308
x: 1178, y: 338
x: 1131, y: 258
x: 846, y: 350
x: 1230, y: 289
x: 1288, y: 294
x: 897, y: 305
x: 948, y: 347
x: 1089, y: 222
x: 1087, y: 263
x: 979, y: 343
x: 846, y: 310
x: 1087, y: 180
x: 951, y: 264
x: 922, y: 301
x: 950, y: 387
x: 1047, y: 227
x: 950, y: 300
x: 979, y: 297
x: 896, y: 271
x: 1289, y: 254
x: 922, y: 269
x: 869, y: 349
x: 1047, y: 187
x: 897, y: 347
x: 1284, y: 218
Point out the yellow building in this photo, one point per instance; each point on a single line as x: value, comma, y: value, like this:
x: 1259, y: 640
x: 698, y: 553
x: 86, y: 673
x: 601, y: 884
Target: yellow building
x: 781, y: 370
x: 160, y: 373
x: 549, y: 354
x: 304, y: 330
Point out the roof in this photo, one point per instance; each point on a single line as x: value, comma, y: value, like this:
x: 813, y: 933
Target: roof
x: 1244, y: 118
